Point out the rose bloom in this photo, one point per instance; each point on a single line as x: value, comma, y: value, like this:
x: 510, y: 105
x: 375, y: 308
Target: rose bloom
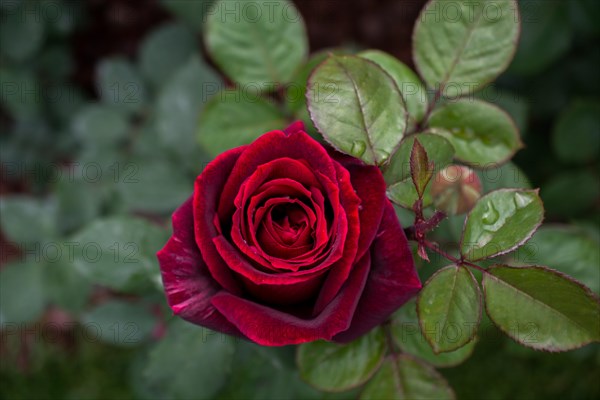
x: 285, y: 242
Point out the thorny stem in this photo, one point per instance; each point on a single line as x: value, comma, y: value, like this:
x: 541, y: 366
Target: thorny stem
x: 421, y: 226
x: 432, y: 222
x: 435, y: 247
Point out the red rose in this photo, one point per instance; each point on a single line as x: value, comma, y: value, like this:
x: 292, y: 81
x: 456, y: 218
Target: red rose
x: 284, y: 242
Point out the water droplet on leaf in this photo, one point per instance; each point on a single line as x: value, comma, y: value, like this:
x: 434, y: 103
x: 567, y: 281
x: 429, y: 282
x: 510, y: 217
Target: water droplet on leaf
x: 465, y: 133
x: 381, y: 155
x: 522, y: 200
x: 491, y: 215
x: 358, y: 148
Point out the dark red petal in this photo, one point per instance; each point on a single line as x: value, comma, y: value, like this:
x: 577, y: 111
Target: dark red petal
x: 250, y: 245
x: 350, y: 231
x: 207, y: 193
x: 282, y: 168
x: 393, y: 279
x: 370, y: 187
x: 282, y: 240
x: 281, y: 288
x: 269, y: 147
x: 296, y: 126
x: 238, y: 263
x: 269, y: 327
x: 328, y: 246
x: 187, y: 281
x: 247, y: 219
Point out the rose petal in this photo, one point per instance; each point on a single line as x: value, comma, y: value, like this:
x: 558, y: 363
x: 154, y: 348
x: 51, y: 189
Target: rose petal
x: 296, y: 126
x: 207, y: 192
x: 393, y: 279
x: 370, y: 187
x: 281, y: 288
x: 351, y: 232
x: 250, y: 245
x: 242, y: 266
x: 187, y: 281
x: 283, y: 168
x: 329, y: 245
x: 284, y: 241
x: 271, y: 146
x: 269, y: 327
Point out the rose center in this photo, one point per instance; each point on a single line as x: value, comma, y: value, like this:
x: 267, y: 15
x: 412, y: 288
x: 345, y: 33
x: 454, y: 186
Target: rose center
x: 288, y: 221
x: 286, y: 231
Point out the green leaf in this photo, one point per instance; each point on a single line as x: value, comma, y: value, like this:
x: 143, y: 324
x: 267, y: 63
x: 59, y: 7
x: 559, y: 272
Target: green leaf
x: 542, y: 23
x: 98, y: 126
x: 235, y: 118
x: 570, y: 249
x: 401, y: 189
x: 515, y: 104
x: 412, y: 89
x: 439, y: 151
x: 408, y: 336
x: 22, y: 32
x: 120, y: 323
x: 405, y: 377
x: 64, y: 285
x: 180, y: 103
x: 258, y: 44
x: 357, y: 107
x: 165, y: 50
x: 338, y: 367
x: 420, y: 169
x: 190, y: 362
x: 541, y: 308
x: 79, y: 199
x: 295, y: 94
x: 261, y: 373
x: 463, y: 45
x: 449, y: 307
x: 66, y: 106
x: 153, y: 186
x: 138, y: 382
x: 500, y: 222
x: 119, y: 252
x: 22, y: 104
x: 27, y: 220
x: 119, y: 85
x: 22, y: 292
x: 191, y: 12
x: 404, y: 194
x: 63, y: 19
x: 481, y: 133
x: 576, y: 136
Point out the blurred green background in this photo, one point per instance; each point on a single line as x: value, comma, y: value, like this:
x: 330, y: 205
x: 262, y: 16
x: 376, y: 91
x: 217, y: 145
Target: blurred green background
x: 99, y: 108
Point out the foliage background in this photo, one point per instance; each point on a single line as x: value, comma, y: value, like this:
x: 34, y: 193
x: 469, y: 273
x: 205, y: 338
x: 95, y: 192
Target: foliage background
x: 66, y: 70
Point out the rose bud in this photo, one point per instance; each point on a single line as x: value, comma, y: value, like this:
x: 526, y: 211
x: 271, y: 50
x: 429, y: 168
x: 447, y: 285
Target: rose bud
x: 455, y: 189
x: 284, y: 241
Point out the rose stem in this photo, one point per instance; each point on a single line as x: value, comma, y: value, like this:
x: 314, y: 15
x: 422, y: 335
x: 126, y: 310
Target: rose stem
x: 434, y: 247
